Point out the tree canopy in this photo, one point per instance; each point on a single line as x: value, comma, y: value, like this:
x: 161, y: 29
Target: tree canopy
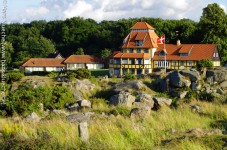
x: 39, y: 38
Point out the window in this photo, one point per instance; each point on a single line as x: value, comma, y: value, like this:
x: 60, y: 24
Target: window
x: 124, y: 71
x: 161, y: 64
x: 181, y: 63
x: 183, y: 54
x: 146, y: 50
x: 146, y: 71
x: 124, y: 61
x: 216, y: 54
x: 162, y: 53
x: 138, y: 71
x: 116, y: 61
x: 111, y: 61
x: 137, y: 50
x: 116, y: 72
x: 174, y: 63
x: 189, y: 63
x: 131, y: 61
x: 130, y: 50
x: 138, y: 61
x: 132, y: 71
x: 124, y: 51
x: 139, y: 43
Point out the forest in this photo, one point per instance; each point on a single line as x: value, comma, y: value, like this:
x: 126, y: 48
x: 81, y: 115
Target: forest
x: 76, y: 35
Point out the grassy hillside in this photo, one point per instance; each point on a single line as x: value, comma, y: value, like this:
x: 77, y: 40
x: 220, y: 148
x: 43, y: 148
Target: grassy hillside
x: 112, y: 128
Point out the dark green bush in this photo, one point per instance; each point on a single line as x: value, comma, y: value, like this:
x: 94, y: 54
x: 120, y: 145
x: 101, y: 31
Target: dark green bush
x: 27, y: 99
x: 129, y: 76
x: 204, y: 63
x: 12, y: 76
x: 79, y: 74
x: 204, y: 96
x: 60, y: 96
x: 40, y: 73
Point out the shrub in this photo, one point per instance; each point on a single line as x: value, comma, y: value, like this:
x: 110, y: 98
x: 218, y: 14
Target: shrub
x: 60, y: 96
x: 13, y: 76
x: 206, y: 96
x: 79, y: 74
x: 40, y: 73
x: 204, y: 63
x: 129, y: 76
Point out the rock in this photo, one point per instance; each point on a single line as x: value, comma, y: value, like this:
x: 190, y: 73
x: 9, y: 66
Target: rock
x: 218, y: 74
x: 122, y: 99
x: 83, y: 131
x: 146, y: 100
x: 164, y: 85
x: 177, y: 80
x: 33, y: 117
x: 223, y: 85
x: 104, y: 78
x: 161, y: 101
x: 140, y: 113
x: 192, y: 74
x: 179, y: 94
x: 76, y: 94
x: 220, y: 91
x: 198, y: 132
x: 84, y: 103
x: 80, y: 117
x: 195, y: 108
x: 59, y: 112
x: 83, y: 85
x: 73, y: 107
x: 136, y: 85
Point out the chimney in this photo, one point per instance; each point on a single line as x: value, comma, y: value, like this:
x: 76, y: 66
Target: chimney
x: 178, y: 43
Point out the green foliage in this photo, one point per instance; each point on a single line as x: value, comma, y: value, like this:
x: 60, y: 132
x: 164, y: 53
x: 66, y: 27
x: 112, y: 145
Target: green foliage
x: 206, y: 96
x: 79, y: 51
x: 125, y: 111
x: 12, y: 76
x: 99, y: 72
x: 129, y: 76
x: 27, y: 99
x: 79, y: 74
x: 60, y: 96
x: 204, y: 63
x: 6, y: 52
x: 105, y: 53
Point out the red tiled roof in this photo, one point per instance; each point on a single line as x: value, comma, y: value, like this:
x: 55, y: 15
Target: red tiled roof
x: 82, y: 59
x: 131, y: 55
x: 140, y: 36
x: 142, y: 25
x: 186, y: 48
x: 149, y: 41
x: 44, y: 62
x: 198, y: 51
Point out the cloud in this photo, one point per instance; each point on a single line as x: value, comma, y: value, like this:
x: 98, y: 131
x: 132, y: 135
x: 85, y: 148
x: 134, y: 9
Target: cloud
x: 114, y: 9
x: 223, y: 7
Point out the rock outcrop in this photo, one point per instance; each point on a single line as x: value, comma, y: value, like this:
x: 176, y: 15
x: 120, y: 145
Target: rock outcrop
x: 122, y: 99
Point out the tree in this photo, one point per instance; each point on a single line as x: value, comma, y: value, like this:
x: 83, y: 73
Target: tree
x: 7, y: 52
x: 213, y: 23
x: 204, y: 63
x: 79, y: 51
x: 105, y: 53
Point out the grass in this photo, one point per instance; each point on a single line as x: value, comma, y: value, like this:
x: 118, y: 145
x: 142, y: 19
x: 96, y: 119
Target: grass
x: 119, y: 132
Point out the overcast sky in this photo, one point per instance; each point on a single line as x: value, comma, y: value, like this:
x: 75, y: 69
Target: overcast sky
x: 28, y: 10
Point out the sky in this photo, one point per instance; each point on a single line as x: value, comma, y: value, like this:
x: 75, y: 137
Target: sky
x: 24, y: 11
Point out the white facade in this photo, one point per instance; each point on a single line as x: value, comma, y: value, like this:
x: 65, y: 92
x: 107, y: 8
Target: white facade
x: 88, y: 66
x: 48, y: 69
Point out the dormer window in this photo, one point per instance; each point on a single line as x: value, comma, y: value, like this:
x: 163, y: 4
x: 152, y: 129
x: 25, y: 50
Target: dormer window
x: 139, y: 43
x: 163, y: 53
x: 183, y: 54
x: 138, y: 50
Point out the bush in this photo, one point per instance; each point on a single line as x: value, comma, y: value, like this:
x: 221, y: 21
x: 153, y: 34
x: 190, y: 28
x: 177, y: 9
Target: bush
x: 40, y: 73
x: 79, y: 74
x: 206, y: 96
x: 60, y: 96
x: 204, y: 63
x: 27, y: 99
x: 129, y: 76
x: 13, y: 76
